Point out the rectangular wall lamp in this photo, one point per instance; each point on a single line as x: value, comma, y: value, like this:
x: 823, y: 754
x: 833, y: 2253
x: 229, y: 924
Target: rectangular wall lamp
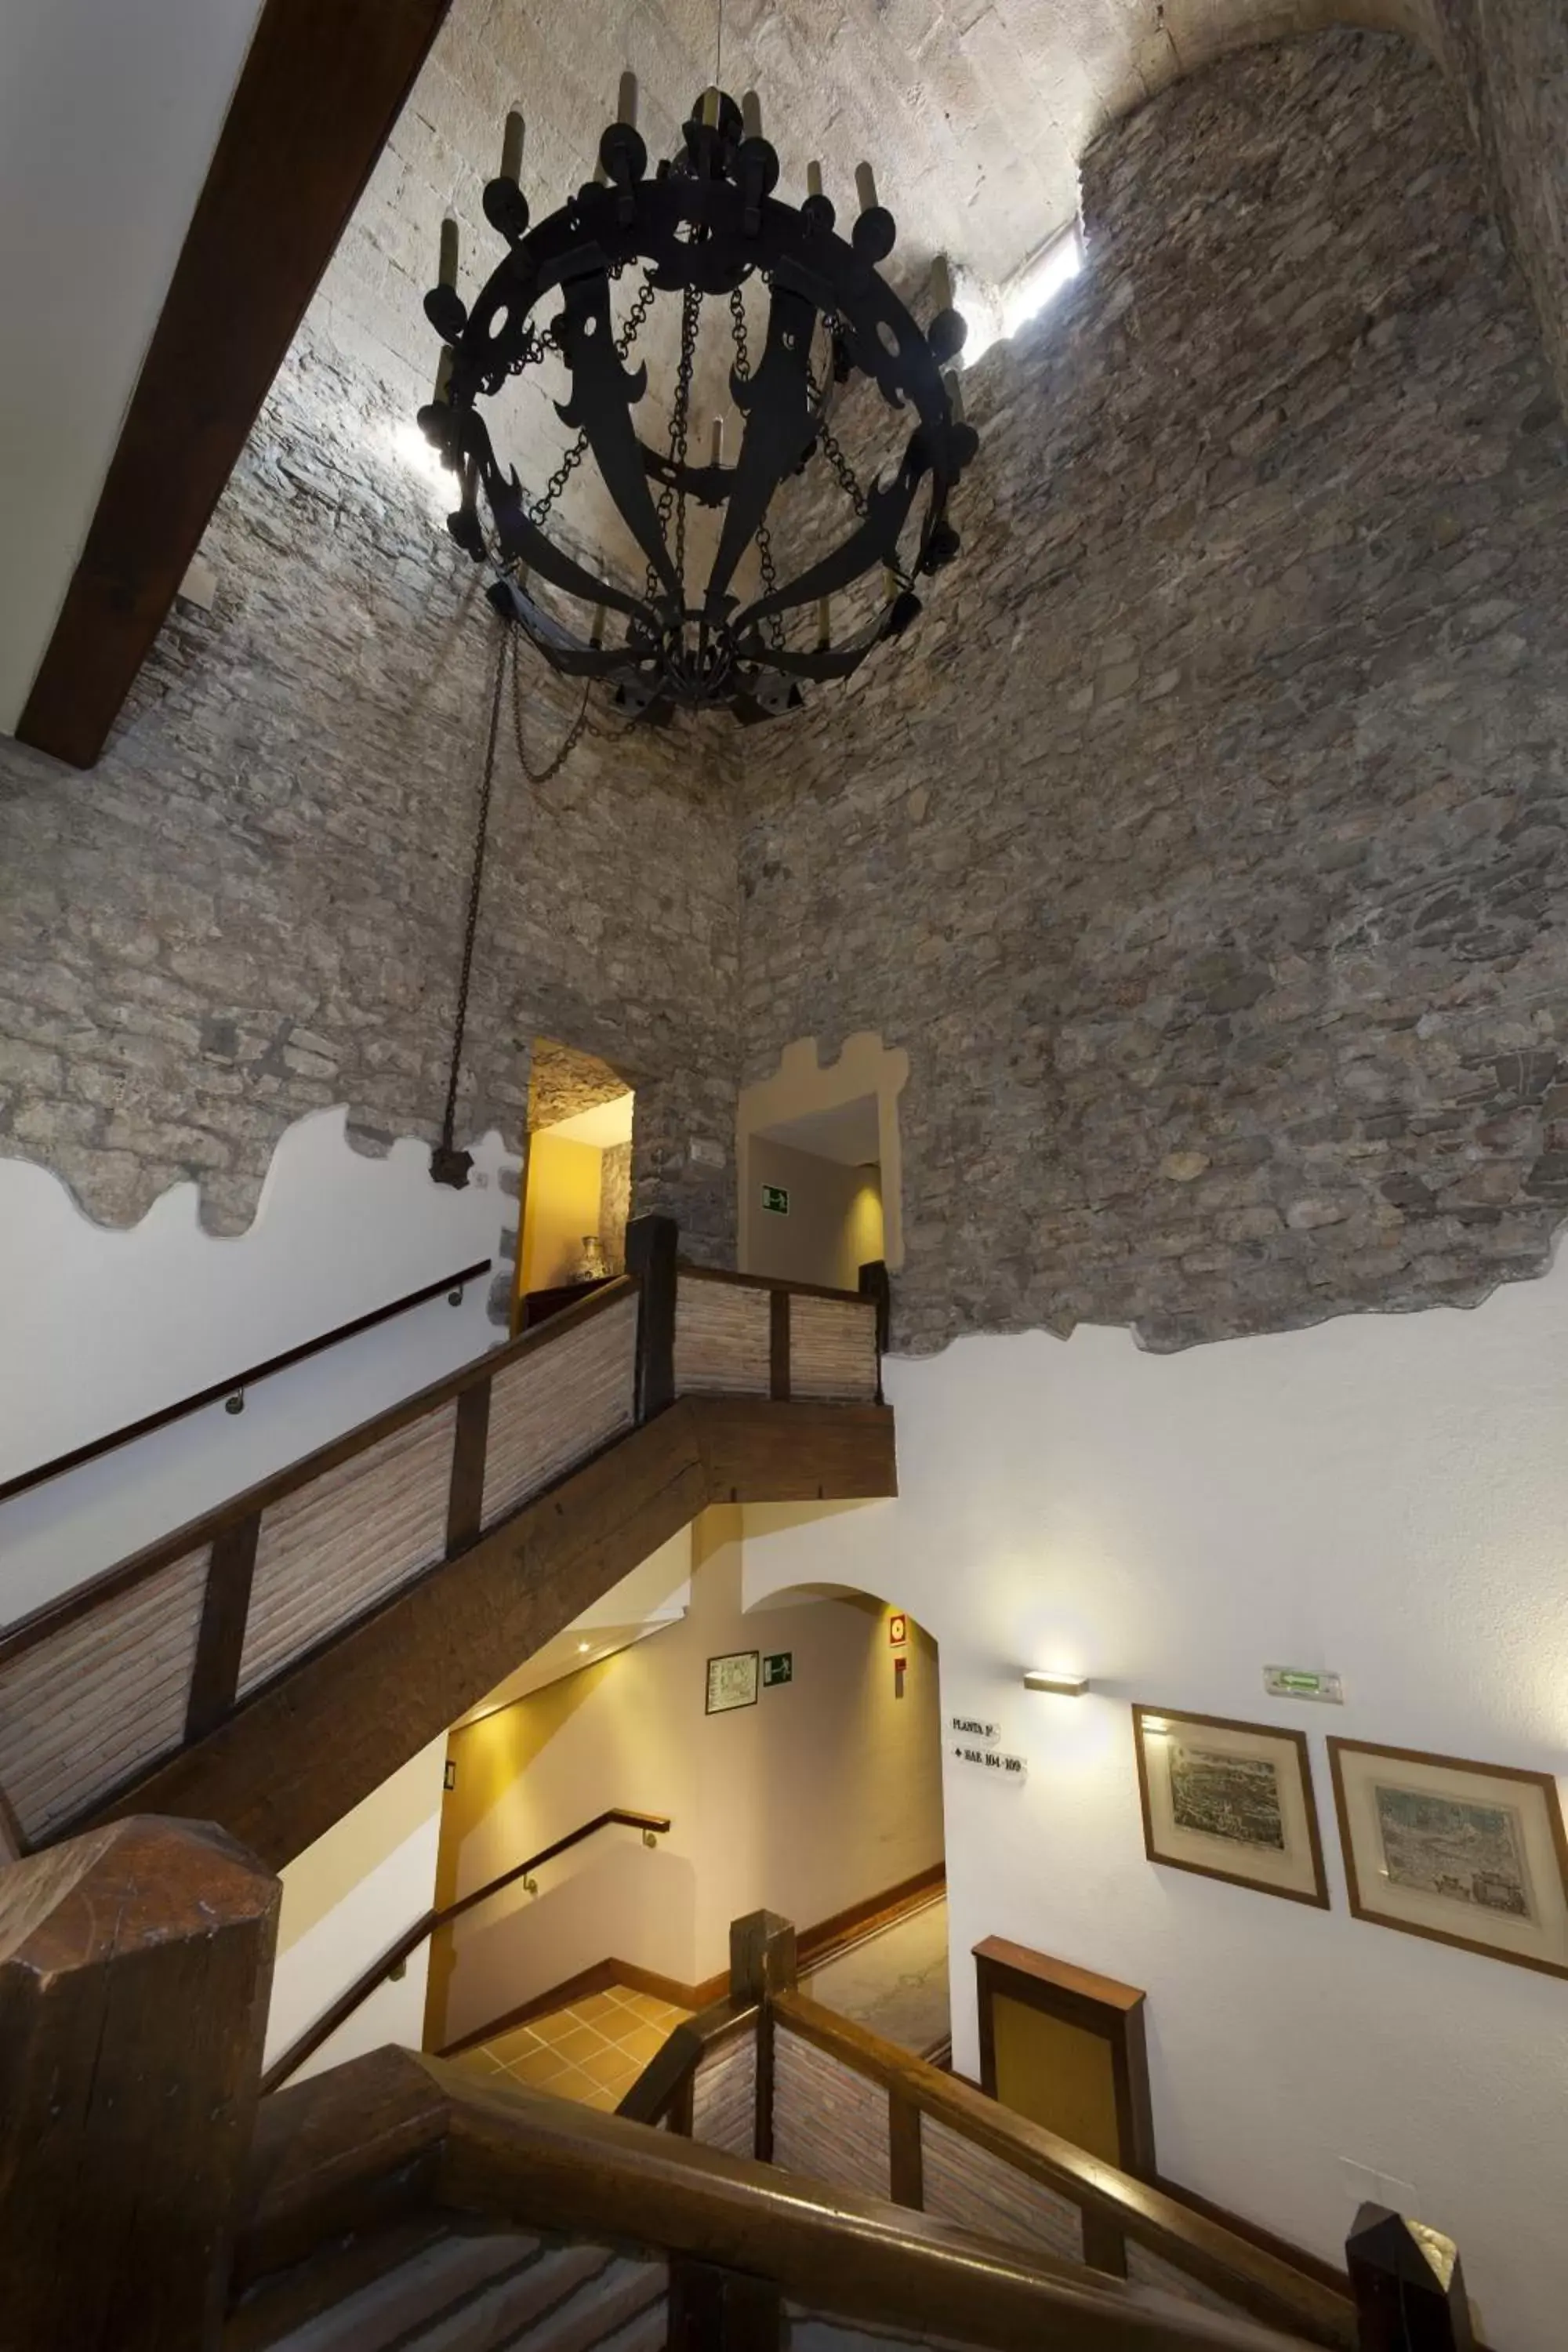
x: 1064, y: 1685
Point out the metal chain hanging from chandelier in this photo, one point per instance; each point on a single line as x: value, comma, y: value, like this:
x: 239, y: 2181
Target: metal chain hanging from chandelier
x: 705, y: 223
x: 448, y: 1164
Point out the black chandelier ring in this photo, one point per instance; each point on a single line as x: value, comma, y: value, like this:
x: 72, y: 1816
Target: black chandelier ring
x: 705, y: 225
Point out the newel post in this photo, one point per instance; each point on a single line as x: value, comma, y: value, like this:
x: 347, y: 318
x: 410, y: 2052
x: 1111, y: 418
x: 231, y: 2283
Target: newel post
x: 135, y: 1965
x: 652, y: 1246
x: 761, y: 1962
x: 1409, y: 2286
x: 876, y: 1287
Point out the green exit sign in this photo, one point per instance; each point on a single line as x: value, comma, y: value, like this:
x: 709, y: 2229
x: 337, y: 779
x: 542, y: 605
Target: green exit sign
x: 777, y: 1198
x: 779, y: 1668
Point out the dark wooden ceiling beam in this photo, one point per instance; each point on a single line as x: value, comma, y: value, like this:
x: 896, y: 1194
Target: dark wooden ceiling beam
x: 321, y: 91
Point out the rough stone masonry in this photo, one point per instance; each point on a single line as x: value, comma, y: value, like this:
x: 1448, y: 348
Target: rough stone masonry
x: 254, y: 906
x: 1206, y: 842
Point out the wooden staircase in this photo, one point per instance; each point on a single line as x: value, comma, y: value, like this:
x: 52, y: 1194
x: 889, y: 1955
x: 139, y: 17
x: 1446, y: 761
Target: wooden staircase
x: 269, y: 1665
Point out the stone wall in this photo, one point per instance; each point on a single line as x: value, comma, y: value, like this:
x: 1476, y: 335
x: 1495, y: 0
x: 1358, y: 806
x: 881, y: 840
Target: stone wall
x: 253, y: 906
x: 1510, y: 58
x: 1205, y: 843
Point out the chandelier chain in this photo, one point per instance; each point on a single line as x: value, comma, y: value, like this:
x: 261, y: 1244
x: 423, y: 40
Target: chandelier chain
x: 476, y: 888
x: 691, y: 313
x: 574, y: 736
x: 766, y: 565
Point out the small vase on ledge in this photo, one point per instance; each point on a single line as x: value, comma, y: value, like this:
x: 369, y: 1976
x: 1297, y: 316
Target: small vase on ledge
x: 590, y: 1265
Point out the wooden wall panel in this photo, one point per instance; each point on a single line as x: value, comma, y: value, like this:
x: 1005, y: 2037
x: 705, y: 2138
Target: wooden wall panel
x: 100, y: 1698
x: 722, y: 1339
x: 331, y: 1549
x: 832, y: 1350
x: 557, y: 1405
x: 829, y: 2121
x: 967, y: 2185
x: 724, y: 2097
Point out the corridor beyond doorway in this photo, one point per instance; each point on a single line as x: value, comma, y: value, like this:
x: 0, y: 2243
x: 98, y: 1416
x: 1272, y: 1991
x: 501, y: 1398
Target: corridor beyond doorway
x: 814, y: 1210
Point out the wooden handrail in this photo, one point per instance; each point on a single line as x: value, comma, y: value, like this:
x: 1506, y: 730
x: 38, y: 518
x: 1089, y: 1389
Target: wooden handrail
x: 167, y: 1414
x: 1271, y: 2290
x: 661, y: 2086
x: 29, y: 1631
x: 392, y: 2134
x: 354, y: 1996
x: 691, y: 1273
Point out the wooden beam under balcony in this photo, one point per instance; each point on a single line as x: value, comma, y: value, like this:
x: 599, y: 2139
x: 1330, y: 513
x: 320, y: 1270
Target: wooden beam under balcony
x: 309, y: 1747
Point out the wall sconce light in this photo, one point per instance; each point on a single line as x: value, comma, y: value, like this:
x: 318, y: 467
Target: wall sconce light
x: 1063, y: 1685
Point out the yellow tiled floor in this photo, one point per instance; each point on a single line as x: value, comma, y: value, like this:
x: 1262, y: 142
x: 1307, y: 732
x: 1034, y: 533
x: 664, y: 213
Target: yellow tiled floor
x: 594, y: 2052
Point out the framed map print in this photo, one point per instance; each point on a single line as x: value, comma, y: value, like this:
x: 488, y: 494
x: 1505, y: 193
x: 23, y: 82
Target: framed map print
x: 732, y: 1682
x: 1472, y: 1854
x: 1230, y: 1800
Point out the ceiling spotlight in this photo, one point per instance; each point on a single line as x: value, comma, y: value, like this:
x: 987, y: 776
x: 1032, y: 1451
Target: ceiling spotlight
x: 1063, y: 1685
x: 583, y: 1648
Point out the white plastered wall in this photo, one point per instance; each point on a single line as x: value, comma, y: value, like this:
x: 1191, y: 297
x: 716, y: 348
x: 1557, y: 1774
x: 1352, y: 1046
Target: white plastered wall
x: 346, y: 1900
x: 1384, y: 1497
x: 101, y: 1328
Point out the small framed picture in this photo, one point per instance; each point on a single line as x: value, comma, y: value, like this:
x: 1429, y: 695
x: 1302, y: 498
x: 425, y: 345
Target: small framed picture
x: 1472, y: 1854
x: 732, y: 1680
x: 1230, y: 1800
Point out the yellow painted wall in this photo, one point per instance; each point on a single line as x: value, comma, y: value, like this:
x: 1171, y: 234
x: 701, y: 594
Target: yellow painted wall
x: 347, y: 1898
x: 835, y: 1221
x: 828, y: 1791
x: 561, y: 1204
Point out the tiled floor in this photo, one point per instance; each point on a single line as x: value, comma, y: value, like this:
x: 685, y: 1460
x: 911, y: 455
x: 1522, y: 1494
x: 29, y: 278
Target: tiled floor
x: 594, y: 2052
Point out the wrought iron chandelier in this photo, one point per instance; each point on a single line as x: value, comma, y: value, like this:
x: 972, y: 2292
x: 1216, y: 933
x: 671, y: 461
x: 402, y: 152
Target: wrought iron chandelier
x: 702, y: 226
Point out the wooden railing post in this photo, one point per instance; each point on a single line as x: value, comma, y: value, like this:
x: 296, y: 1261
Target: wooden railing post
x: 761, y: 1956
x: 762, y: 1961
x: 465, y: 1503
x: 220, y: 1639
x: 778, y: 1345
x: 906, y: 2158
x: 1408, y: 2285
x: 875, y: 1286
x: 135, y: 1965
x: 716, y: 2310
x: 652, y: 1246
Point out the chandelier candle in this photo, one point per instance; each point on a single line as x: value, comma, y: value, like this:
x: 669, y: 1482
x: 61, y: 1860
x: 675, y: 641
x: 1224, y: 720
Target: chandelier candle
x: 694, y: 235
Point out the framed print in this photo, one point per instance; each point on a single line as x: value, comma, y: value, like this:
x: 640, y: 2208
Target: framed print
x: 732, y: 1682
x: 1230, y: 1800
x: 1472, y: 1854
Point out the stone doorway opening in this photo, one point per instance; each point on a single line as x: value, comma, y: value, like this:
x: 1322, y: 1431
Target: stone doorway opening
x: 576, y: 1181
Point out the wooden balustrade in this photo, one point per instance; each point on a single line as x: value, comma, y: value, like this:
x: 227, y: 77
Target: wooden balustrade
x: 747, y: 1335
x: 390, y: 2138
x: 135, y: 1968
x: 158, y: 1654
x: 888, y: 2121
